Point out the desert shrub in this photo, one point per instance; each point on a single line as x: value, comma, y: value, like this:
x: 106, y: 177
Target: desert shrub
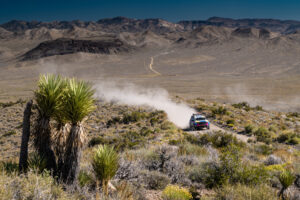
x: 249, y: 128
x: 252, y: 175
x: 219, y: 111
x: 9, y: 167
x: 131, y: 139
x: 230, y: 169
x: 289, y: 138
x: 174, y: 192
x: 112, y: 121
x: 126, y: 191
x: 263, y: 135
x: 191, y: 149
x: 128, y: 170
x: 259, y: 108
x: 9, y: 133
x: 272, y: 160
x: 154, y: 120
x: 85, y: 179
x: 230, y: 121
x: 168, y: 126
x: 31, y: 186
x: 218, y: 139
x: 11, y: 103
x: 164, y: 159
x: 37, y: 163
x: 175, y: 142
x: 293, y: 114
x: 263, y: 149
x: 218, y: 174
x: 145, y: 132
x: 155, y: 180
x: 197, y: 174
x: 96, y: 141
x: 133, y: 117
x: 189, y: 160
x: 242, y: 105
x: 241, y: 192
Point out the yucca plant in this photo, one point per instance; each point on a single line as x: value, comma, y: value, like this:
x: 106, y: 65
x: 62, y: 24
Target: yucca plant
x: 37, y: 163
x: 78, y: 103
x: 105, y: 164
x: 286, y: 179
x: 49, y: 99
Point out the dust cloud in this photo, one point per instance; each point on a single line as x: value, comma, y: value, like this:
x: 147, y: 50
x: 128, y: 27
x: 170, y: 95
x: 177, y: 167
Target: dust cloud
x: 157, y: 98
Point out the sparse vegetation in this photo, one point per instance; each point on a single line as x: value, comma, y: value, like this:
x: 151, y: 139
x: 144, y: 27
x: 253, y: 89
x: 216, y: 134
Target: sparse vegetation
x: 153, y: 153
x: 174, y: 192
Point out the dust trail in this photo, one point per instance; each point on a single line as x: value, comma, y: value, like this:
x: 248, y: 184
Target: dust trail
x: 158, y: 98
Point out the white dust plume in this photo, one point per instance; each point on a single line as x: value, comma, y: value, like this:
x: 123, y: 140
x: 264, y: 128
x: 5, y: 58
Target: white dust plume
x: 157, y: 98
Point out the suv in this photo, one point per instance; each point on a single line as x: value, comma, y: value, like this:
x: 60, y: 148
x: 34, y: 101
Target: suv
x: 198, y: 122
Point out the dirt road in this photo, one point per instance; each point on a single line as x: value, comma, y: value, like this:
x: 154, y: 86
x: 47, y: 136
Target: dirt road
x: 151, y: 67
x: 213, y: 127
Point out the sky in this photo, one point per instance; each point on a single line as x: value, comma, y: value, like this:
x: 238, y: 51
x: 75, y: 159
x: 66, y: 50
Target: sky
x: 171, y: 10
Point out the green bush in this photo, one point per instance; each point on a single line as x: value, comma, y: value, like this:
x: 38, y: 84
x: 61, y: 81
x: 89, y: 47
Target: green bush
x: 219, y: 111
x: 288, y: 138
x: 112, y: 121
x: 263, y: 149
x: 37, y: 163
x: 263, y: 135
x: 252, y: 175
x: 85, y: 179
x: 242, y: 105
x: 249, y: 129
x: 231, y: 170
x: 174, y: 192
x: 230, y: 121
x: 96, y: 141
x: 9, y: 167
x: 133, y: 117
x: 218, y: 139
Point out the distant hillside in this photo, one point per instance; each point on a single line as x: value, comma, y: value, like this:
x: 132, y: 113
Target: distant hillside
x: 123, y: 24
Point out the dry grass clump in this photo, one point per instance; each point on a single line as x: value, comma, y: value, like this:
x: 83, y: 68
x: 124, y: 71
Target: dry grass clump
x: 31, y: 186
x: 241, y: 192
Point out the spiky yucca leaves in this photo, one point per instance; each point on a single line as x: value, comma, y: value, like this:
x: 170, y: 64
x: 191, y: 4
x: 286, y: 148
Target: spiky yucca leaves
x: 286, y: 179
x: 78, y: 103
x: 105, y: 164
x: 37, y: 163
x: 49, y: 98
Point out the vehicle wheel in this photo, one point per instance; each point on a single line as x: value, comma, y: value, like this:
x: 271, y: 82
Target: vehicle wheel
x: 208, y: 127
x: 192, y: 128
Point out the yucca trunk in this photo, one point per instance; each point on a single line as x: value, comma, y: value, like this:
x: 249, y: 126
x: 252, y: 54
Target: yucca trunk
x: 25, y: 138
x: 42, y: 142
x: 74, y: 144
x: 60, y: 141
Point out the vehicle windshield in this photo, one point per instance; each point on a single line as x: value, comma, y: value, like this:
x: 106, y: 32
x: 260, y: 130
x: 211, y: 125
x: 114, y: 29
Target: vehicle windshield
x: 199, y: 118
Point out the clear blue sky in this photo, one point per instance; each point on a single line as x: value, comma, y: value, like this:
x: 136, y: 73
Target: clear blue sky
x: 172, y: 10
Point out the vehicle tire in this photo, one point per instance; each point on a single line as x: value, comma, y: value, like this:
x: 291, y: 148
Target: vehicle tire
x: 208, y: 127
x: 192, y: 128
